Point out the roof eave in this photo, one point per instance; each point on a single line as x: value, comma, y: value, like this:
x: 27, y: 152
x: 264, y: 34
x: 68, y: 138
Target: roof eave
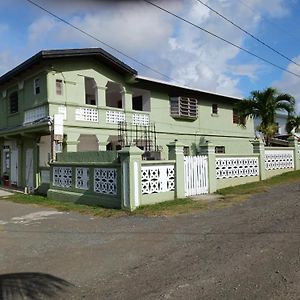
x: 190, y: 89
x: 52, y: 54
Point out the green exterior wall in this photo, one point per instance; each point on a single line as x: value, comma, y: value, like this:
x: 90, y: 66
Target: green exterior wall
x: 219, y: 129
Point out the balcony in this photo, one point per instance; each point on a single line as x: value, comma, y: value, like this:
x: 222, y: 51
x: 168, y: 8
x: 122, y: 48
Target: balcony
x: 87, y: 114
x: 35, y: 114
x: 115, y: 117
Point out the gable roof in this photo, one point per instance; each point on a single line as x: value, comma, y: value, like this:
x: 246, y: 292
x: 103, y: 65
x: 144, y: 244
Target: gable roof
x: 97, y: 53
x: 108, y: 60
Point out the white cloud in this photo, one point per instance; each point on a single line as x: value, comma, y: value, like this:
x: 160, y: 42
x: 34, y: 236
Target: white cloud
x: 185, y: 53
x: 41, y: 29
x: 248, y: 70
x: 7, y: 61
x: 125, y: 26
x: 290, y: 84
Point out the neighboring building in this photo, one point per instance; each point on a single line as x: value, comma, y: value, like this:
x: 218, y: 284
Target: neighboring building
x: 105, y: 105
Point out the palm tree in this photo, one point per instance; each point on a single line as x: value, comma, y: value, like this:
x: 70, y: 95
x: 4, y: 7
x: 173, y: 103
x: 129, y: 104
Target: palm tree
x: 293, y: 123
x: 264, y: 105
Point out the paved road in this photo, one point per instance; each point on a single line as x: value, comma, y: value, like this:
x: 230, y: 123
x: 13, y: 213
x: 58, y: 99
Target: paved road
x: 248, y: 251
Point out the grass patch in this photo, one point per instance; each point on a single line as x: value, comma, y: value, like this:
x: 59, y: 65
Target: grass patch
x: 252, y: 188
x: 231, y: 195
x: 64, y: 206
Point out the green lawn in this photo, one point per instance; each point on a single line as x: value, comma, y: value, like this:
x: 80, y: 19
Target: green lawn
x: 230, y: 196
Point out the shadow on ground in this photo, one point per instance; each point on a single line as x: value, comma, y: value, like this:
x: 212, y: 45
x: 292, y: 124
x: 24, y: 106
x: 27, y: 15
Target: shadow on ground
x: 32, y: 286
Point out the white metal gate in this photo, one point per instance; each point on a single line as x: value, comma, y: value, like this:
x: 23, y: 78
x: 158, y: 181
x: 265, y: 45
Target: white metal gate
x: 195, y: 175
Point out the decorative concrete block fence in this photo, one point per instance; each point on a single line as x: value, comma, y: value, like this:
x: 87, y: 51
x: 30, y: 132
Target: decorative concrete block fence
x: 129, y: 182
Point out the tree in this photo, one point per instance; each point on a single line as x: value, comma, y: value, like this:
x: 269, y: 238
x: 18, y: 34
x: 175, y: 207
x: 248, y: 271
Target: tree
x: 264, y: 105
x: 293, y: 123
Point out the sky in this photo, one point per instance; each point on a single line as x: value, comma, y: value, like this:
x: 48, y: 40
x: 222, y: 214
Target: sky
x: 185, y: 54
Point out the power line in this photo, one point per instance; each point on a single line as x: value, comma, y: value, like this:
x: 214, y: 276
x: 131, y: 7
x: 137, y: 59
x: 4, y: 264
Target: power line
x: 221, y: 38
x: 248, y: 33
x: 291, y: 34
x: 98, y: 40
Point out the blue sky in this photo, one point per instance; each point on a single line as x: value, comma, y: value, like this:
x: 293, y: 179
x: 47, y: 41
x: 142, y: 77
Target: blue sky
x: 186, y: 54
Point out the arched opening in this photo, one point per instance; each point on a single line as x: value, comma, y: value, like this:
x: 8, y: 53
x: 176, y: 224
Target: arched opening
x: 87, y: 142
x: 90, y: 91
x: 113, y: 95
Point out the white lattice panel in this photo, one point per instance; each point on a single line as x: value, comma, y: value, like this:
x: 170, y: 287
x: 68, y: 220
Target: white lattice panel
x: 105, y: 181
x: 230, y: 167
x: 86, y: 114
x: 62, y: 109
x: 115, y: 117
x: 62, y: 177
x: 157, y: 179
x: 140, y: 119
x: 82, y: 178
x: 195, y: 175
x: 279, y: 159
x: 35, y: 114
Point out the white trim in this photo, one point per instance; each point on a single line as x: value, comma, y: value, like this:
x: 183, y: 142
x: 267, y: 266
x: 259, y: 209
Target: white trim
x: 136, y: 184
x: 125, y: 183
x: 35, y: 85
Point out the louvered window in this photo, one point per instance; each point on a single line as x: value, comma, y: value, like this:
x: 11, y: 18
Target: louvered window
x: 184, y: 107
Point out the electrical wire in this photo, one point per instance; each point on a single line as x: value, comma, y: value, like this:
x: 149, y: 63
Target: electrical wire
x: 248, y: 33
x: 290, y: 33
x: 98, y: 40
x: 222, y: 39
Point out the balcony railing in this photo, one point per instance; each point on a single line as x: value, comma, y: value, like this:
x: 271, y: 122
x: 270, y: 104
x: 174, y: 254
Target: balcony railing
x: 140, y: 119
x: 35, y: 114
x: 86, y: 114
x: 115, y: 117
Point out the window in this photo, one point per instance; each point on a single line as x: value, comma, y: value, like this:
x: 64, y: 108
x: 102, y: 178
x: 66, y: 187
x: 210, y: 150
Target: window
x: 59, y: 87
x: 141, y: 99
x: 13, y: 102
x: 36, y: 86
x: 214, y: 109
x: 137, y: 103
x: 90, y: 91
x: 236, y: 119
x: 184, y: 107
x: 186, y: 151
x: 219, y: 149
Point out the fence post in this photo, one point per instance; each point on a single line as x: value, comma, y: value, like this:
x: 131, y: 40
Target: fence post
x: 259, y: 148
x: 293, y: 142
x: 131, y: 193
x: 207, y: 148
x: 176, y: 153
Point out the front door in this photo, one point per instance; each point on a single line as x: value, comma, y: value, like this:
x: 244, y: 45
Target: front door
x: 14, y: 167
x: 29, y: 169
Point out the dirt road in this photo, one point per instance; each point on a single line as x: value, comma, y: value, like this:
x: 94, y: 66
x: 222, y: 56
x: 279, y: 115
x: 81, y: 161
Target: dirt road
x: 248, y: 251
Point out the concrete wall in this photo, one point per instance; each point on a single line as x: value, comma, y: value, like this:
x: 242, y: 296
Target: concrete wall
x: 219, y: 129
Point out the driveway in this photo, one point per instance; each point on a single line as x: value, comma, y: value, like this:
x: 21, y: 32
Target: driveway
x: 248, y: 251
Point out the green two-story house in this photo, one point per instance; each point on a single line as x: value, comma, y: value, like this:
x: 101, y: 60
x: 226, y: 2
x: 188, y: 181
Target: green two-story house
x: 104, y: 105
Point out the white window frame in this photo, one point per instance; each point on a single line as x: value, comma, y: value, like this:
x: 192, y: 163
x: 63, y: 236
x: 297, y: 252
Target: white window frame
x: 60, y: 81
x: 36, y: 86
